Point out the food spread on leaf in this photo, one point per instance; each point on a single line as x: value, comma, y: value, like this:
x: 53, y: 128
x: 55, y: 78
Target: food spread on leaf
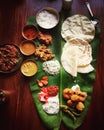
x: 64, y: 58
x: 60, y: 58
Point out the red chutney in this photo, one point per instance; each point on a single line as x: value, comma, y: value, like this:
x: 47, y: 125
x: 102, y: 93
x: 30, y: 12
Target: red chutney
x: 30, y: 32
x: 50, y: 90
x: 47, y: 92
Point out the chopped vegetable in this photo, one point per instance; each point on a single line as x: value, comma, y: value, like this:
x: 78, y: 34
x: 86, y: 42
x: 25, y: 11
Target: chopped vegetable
x: 43, y: 81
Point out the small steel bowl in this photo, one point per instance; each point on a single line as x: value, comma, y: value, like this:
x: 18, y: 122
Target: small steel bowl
x: 47, y: 18
x: 29, y: 32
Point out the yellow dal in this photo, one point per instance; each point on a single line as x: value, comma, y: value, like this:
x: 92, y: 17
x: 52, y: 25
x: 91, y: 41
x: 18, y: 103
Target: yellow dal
x: 29, y: 68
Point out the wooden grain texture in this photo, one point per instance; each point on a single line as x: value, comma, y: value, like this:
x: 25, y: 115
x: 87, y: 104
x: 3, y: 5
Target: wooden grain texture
x: 20, y: 113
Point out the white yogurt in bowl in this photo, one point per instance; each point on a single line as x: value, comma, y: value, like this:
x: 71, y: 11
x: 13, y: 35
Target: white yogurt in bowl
x: 47, y: 18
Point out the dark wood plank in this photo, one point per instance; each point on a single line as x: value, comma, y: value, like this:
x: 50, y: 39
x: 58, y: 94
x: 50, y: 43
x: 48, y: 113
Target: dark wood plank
x: 20, y: 113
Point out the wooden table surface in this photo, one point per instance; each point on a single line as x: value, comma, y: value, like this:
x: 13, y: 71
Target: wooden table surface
x: 20, y: 113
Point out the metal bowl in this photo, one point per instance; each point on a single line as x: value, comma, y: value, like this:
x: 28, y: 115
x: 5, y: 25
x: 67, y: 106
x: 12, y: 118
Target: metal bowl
x: 47, y: 18
x: 27, y: 47
x: 29, y: 68
x: 29, y: 32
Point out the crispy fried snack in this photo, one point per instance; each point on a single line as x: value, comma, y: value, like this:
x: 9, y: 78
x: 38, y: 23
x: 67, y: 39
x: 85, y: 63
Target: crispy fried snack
x: 67, y: 93
x: 45, y: 38
x: 75, y: 99
x: 44, y: 53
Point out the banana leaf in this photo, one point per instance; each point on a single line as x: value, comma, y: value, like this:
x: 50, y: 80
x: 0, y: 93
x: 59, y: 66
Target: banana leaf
x: 63, y: 80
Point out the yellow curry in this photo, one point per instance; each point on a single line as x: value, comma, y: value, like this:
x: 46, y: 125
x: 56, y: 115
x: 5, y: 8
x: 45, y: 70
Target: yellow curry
x: 29, y: 68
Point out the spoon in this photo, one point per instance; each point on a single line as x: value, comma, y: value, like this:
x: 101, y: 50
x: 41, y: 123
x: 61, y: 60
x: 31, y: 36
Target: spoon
x: 94, y: 21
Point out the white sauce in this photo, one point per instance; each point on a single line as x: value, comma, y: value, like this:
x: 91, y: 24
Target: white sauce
x: 76, y: 88
x: 52, y: 106
x: 51, y: 67
x: 46, y: 19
